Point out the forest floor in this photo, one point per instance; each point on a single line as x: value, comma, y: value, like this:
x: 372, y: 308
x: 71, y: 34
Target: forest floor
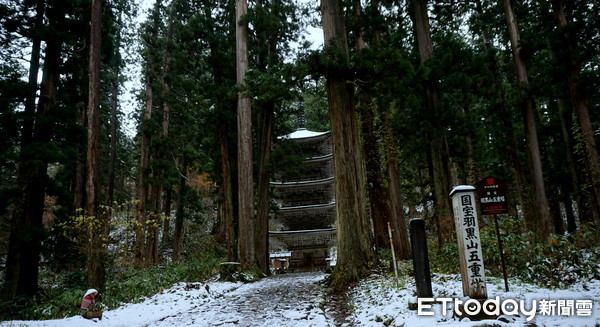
x: 301, y: 300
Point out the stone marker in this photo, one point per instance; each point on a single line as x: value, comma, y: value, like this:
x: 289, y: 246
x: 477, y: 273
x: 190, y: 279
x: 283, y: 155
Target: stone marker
x: 418, y: 240
x: 229, y: 271
x: 469, y: 242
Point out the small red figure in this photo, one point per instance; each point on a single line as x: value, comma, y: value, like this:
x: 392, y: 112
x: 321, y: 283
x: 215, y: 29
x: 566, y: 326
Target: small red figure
x: 88, y: 302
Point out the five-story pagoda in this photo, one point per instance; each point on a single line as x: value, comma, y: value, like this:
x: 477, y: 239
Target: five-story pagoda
x: 302, y: 230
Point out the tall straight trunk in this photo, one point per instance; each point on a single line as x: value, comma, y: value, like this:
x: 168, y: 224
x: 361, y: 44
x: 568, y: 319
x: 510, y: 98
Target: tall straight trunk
x: 439, y: 157
x: 154, y: 222
x: 226, y: 206
x: 542, y: 213
x: 114, y: 124
x: 97, y: 246
x: 142, y: 183
x: 571, y: 186
x: 262, y: 216
x: 355, y: 245
x: 400, y: 233
x: 168, y: 202
x: 179, y: 215
x: 566, y: 121
x: 159, y: 154
x: 379, y: 207
x: 112, y: 158
x: 246, y: 246
x: 502, y: 112
x: 398, y: 221
x: 32, y: 80
x: 580, y: 105
x: 27, y: 231
x: 19, y: 258
x: 266, y: 58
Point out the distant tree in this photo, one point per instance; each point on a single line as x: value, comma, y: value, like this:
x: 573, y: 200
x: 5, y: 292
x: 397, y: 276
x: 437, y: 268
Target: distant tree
x: 579, y: 101
x: 542, y: 224
x: 441, y: 175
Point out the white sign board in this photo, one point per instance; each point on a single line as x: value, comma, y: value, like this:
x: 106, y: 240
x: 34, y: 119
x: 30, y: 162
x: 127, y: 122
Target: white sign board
x: 469, y: 242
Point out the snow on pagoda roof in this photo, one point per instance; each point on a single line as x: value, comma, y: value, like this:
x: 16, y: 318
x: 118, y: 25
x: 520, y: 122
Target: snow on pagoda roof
x: 290, y: 232
x: 303, y: 183
x: 302, y: 133
x: 309, y: 207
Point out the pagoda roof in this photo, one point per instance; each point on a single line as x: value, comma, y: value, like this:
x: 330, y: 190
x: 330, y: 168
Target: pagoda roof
x: 303, y: 134
x: 303, y: 183
x: 320, y: 158
x: 309, y: 207
x: 303, y: 231
x: 306, y: 239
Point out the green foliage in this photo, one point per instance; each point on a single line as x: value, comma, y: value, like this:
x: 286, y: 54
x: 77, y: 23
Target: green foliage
x: 559, y: 262
x: 61, y: 293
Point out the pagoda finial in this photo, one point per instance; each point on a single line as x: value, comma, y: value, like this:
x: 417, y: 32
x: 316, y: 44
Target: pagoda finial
x: 301, y: 119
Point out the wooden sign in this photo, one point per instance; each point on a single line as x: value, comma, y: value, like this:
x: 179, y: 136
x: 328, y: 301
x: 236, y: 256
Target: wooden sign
x: 469, y: 242
x: 492, y: 196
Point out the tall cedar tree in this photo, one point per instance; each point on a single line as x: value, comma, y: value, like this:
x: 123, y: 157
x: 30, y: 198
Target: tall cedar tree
x: 355, y: 250
x: 579, y: 102
x: 385, y: 201
x: 246, y: 246
x: 439, y: 157
x: 27, y: 231
x: 98, y: 233
x: 542, y: 223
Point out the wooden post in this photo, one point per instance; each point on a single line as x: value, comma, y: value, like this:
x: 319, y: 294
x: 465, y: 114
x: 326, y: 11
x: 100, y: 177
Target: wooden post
x: 418, y: 240
x: 393, y: 251
x: 501, y: 248
x: 469, y: 242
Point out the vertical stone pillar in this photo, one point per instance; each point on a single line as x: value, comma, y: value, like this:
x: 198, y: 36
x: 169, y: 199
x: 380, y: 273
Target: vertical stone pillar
x: 469, y: 242
x: 418, y: 240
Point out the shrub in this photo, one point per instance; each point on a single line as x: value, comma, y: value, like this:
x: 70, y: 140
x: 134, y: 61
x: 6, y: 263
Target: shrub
x: 559, y: 262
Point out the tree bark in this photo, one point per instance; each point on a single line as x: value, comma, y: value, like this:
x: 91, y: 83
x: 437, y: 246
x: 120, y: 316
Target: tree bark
x: 227, y: 208
x: 542, y: 213
x: 378, y: 206
x: 98, y: 232
x: 580, y: 105
x: 142, y: 184
x: 355, y: 245
x: 180, y: 214
x: 27, y: 231
x: 114, y: 124
x: 502, y: 112
x: 264, y: 178
x: 439, y: 162
x: 226, y: 205
x: 246, y: 245
x: 398, y: 220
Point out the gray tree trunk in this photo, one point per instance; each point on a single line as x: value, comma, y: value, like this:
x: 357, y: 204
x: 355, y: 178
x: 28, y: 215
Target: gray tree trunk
x: 543, y: 222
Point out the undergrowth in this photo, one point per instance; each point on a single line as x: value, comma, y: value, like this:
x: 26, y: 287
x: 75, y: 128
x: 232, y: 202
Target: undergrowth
x: 61, y: 293
x: 559, y: 262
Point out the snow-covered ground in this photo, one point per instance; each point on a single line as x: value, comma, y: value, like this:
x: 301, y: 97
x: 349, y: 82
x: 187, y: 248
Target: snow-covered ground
x: 379, y: 301
x: 300, y: 300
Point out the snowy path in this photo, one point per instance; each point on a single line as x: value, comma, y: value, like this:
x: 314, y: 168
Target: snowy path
x: 300, y: 300
x: 281, y: 300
